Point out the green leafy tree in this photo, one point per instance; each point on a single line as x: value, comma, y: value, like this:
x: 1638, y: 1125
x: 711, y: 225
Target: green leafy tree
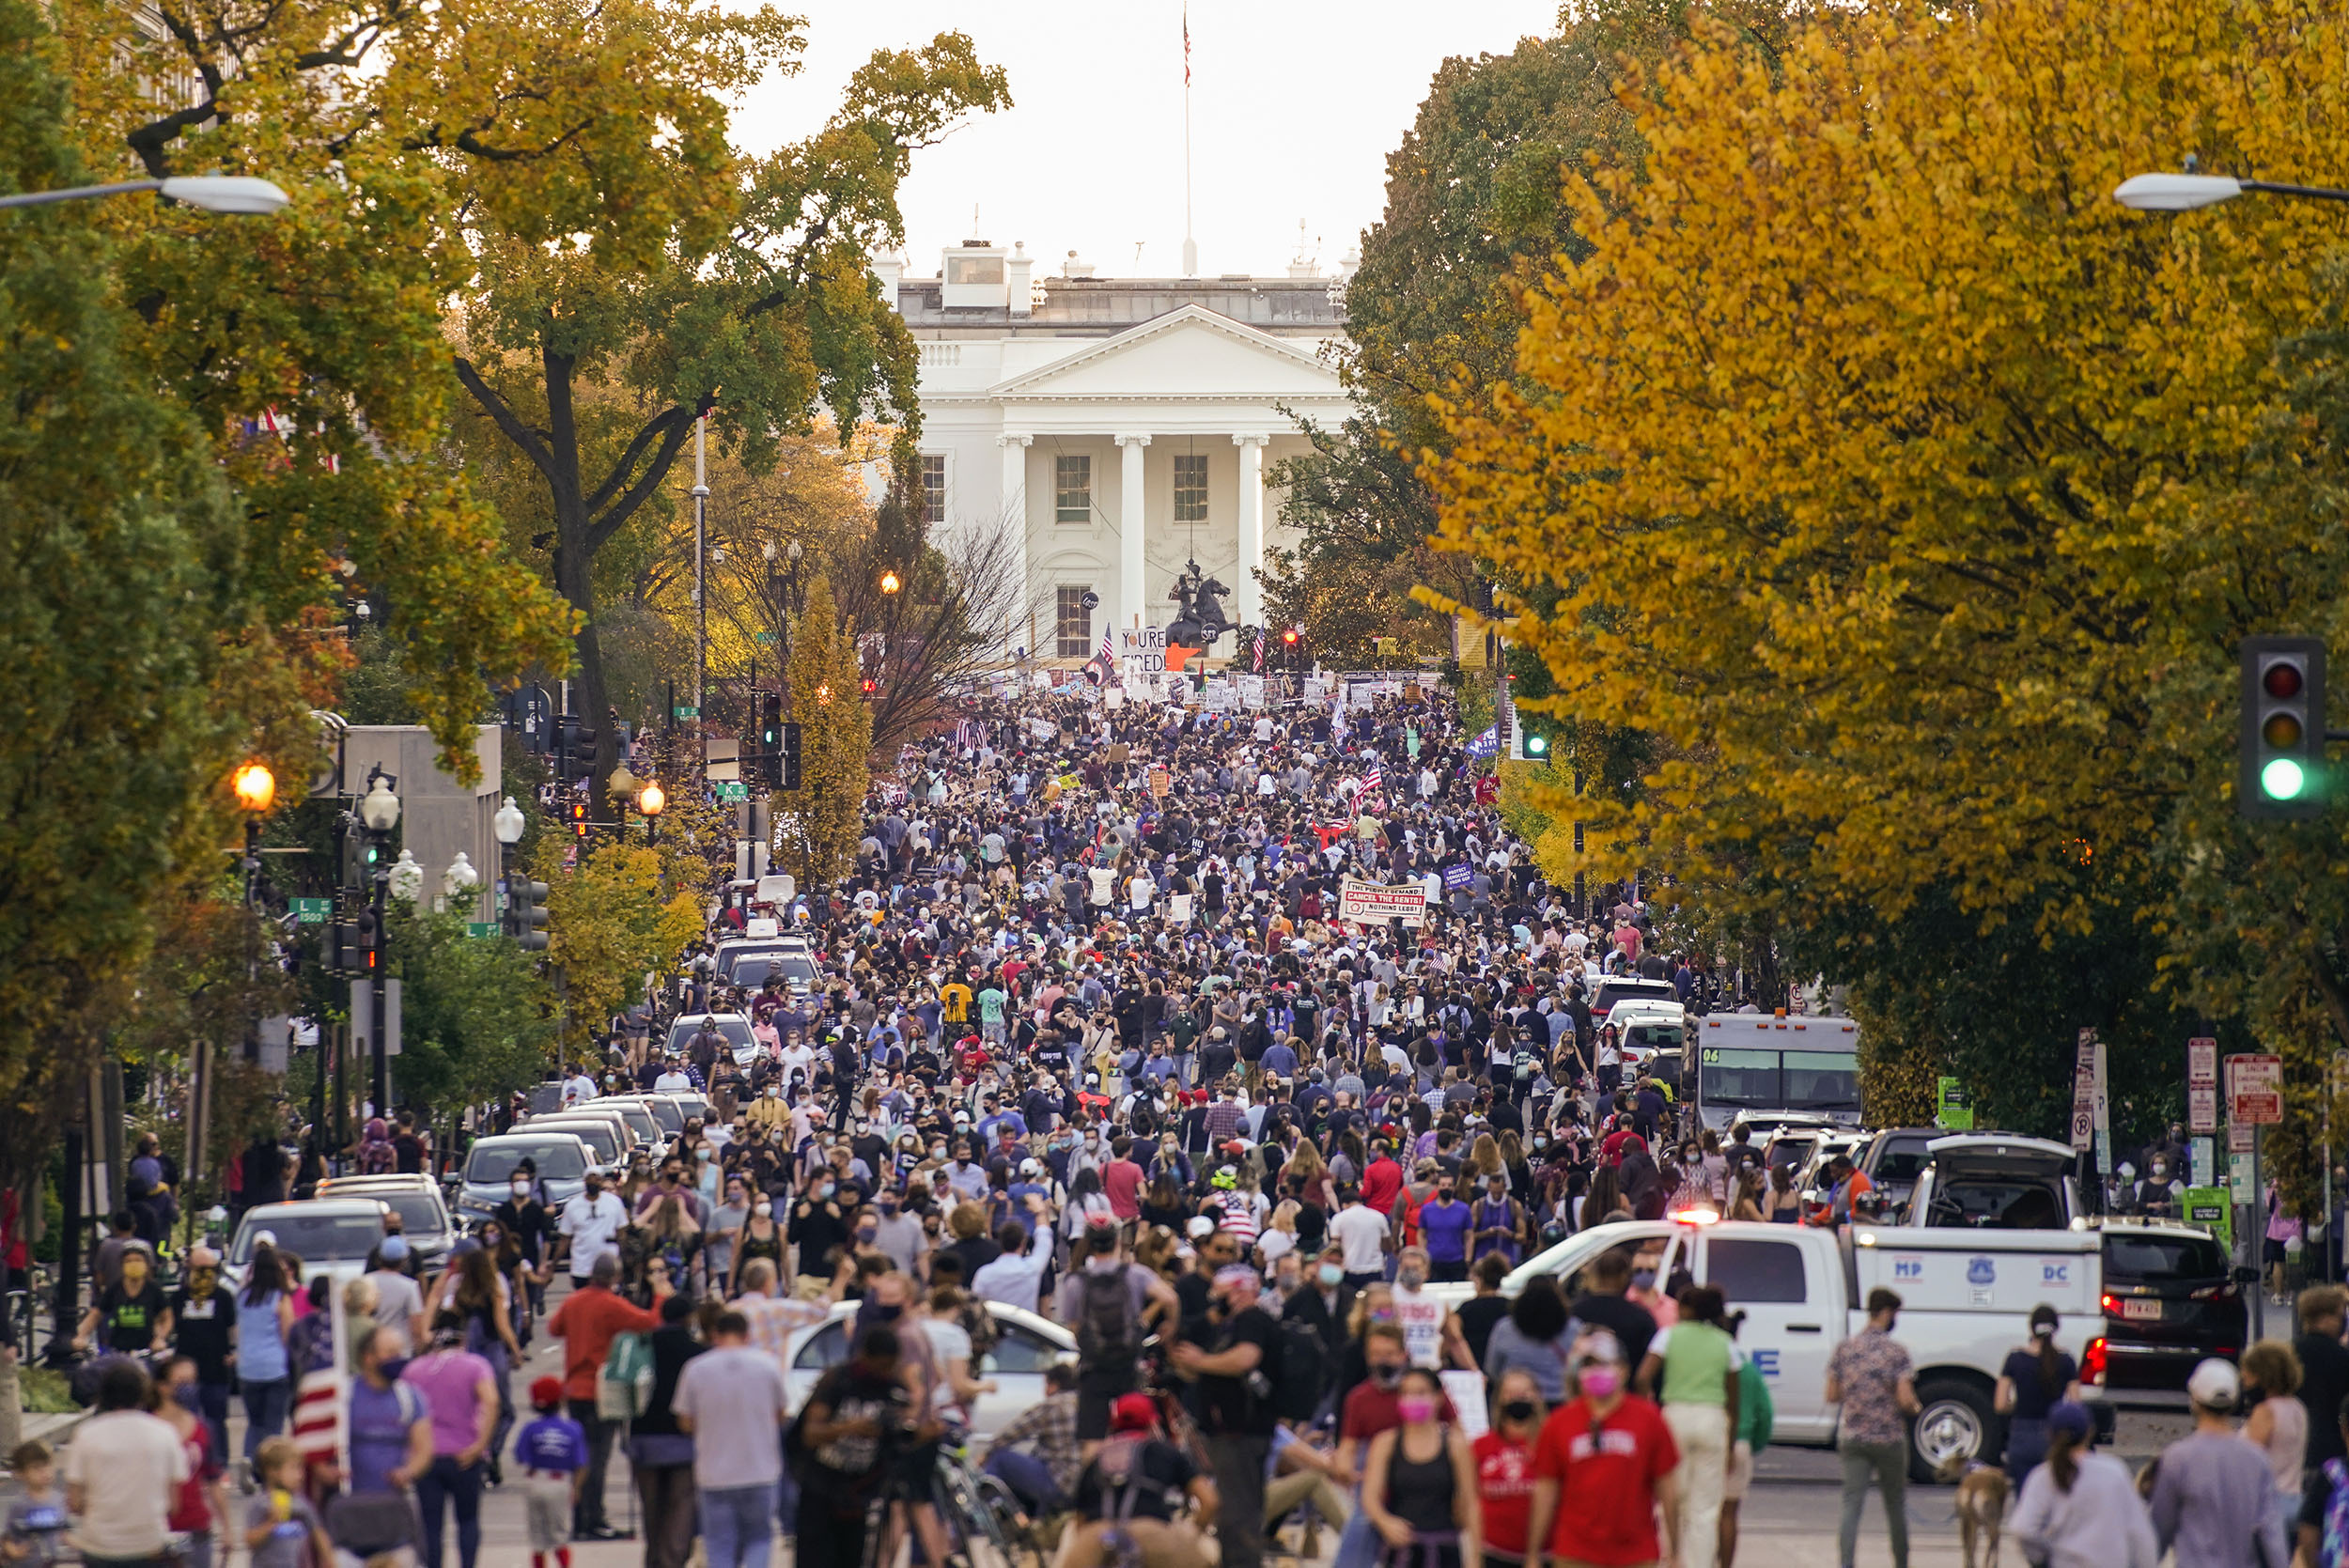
x: 476, y: 1021
x: 695, y: 280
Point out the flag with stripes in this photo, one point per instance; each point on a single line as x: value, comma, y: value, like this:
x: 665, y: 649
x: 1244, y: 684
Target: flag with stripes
x: 1109, y: 653
x: 321, y: 1412
x: 1259, y: 664
x: 1373, y: 781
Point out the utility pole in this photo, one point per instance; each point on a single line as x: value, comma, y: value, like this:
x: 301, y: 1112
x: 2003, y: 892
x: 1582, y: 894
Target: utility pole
x: 701, y: 583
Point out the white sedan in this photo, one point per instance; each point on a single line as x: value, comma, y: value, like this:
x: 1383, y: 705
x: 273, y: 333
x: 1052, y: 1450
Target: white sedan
x: 1025, y: 1346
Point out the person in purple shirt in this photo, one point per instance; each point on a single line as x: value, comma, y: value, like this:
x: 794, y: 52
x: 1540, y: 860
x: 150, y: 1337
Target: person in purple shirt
x: 461, y: 1393
x: 1443, y: 1230
x: 391, y: 1445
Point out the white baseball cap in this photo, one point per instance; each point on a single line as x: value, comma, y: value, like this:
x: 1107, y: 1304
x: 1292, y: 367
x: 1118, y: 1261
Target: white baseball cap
x: 2215, y: 1385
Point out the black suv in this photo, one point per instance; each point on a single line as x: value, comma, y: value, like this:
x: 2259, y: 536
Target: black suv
x: 2170, y: 1301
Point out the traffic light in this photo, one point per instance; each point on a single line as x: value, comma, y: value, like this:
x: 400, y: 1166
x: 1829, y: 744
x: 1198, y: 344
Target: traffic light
x: 769, y: 722
x: 363, y: 951
x: 1293, y: 646
x: 346, y: 949
x: 2281, y: 753
x: 580, y: 825
x: 575, y: 756
x: 525, y: 913
x: 790, y: 774
x: 870, y: 686
x: 1538, y: 745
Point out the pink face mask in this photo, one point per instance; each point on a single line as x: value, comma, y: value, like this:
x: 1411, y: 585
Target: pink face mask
x: 1601, y: 1382
x: 1415, y: 1408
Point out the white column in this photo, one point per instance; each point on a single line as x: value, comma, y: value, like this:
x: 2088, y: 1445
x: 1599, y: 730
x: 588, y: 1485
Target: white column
x: 1129, y: 589
x: 1015, y: 517
x: 1248, y: 600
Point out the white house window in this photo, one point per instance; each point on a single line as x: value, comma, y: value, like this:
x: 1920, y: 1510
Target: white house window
x: 1191, y: 486
x: 1072, y: 488
x: 1074, y: 628
x: 933, y: 487
x: 975, y: 269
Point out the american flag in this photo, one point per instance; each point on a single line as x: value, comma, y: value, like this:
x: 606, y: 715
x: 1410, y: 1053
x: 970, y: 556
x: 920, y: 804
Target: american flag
x: 322, y: 1431
x: 1108, y: 655
x: 1258, y: 668
x: 1373, y: 781
x: 1186, y: 46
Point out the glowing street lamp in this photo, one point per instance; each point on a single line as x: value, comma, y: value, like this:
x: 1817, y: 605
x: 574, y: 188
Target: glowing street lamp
x: 255, y: 787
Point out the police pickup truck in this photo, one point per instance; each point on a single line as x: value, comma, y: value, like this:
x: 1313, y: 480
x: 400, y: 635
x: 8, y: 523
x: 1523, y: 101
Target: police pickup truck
x: 1966, y: 1296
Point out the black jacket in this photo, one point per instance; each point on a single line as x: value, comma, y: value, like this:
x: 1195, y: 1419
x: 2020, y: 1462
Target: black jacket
x: 1307, y: 1307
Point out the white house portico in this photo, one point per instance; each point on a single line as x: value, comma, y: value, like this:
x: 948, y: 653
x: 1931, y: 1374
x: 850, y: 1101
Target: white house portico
x: 1118, y: 428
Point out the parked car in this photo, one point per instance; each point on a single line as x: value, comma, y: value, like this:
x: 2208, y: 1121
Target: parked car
x: 1988, y: 1180
x: 330, y: 1235
x: 1025, y: 1346
x: 424, y: 1218
x: 2170, y: 1300
x: 1893, y: 1159
x: 605, y: 1135
x: 1803, y: 1290
x: 643, y: 1125
x: 561, y: 1158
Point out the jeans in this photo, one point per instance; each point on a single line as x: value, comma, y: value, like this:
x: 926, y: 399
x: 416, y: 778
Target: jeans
x: 1030, y: 1479
x: 447, y: 1482
x: 588, y: 1514
x: 668, y: 1493
x: 1359, y: 1544
x: 1887, y: 1465
x: 739, y: 1525
x: 1239, y: 1463
x: 266, y: 1407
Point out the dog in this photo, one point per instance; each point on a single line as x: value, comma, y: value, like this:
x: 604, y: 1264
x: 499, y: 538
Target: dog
x: 1982, y: 1493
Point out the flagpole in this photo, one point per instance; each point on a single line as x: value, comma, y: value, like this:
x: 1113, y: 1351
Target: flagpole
x: 1190, y: 246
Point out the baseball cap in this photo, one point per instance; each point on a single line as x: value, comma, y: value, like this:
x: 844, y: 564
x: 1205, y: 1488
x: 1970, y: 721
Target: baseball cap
x: 394, y: 1249
x: 1198, y: 1227
x: 1132, y: 1413
x: 2071, y: 1416
x: 546, y: 1390
x: 1030, y: 1168
x: 2214, y: 1384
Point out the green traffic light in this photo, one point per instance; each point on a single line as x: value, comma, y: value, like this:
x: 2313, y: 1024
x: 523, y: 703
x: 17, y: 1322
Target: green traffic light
x: 2283, y: 779
x: 1537, y: 744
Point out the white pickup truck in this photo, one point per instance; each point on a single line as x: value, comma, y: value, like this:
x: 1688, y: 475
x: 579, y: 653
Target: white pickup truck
x: 1966, y: 1296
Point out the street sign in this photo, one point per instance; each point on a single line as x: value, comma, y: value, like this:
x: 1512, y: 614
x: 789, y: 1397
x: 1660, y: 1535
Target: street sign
x: 2240, y: 1137
x: 683, y: 712
x: 2202, y: 1106
x: 311, y: 911
x: 1953, y: 1106
x: 481, y: 928
x: 2255, y: 1090
x: 2240, y: 1182
x: 2084, y: 1093
x: 2201, y: 1060
x: 733, y: 791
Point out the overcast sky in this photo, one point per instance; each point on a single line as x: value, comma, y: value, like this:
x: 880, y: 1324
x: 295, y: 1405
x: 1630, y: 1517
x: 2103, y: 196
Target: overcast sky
x: 1295, y: 105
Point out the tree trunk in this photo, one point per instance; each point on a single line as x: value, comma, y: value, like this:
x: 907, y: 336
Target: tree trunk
x: 574, y: 566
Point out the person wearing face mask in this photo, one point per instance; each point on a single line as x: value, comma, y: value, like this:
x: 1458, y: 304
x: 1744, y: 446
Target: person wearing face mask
x: 1503, y: 1455
x: 1234, y: 1378
x: 1372, y: 1406
x: 589, y: 1227
x: 1871, y: 1376
x: 818, y: 1221
x: 2156, y: 1195
x: 204, y: 1330
x: 1419, y: 1483
x: 1429, y: 1327
x: 897, y: 1232
x: 1324, y: 1300
x: 1603, y: 1466
x: 761, y: 1237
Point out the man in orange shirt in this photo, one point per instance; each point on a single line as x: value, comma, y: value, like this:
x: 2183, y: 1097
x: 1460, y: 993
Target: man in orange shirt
x: 587, y: 1324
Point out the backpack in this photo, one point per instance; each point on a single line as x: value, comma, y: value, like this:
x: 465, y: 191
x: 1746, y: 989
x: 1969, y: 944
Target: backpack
x: 1108, y: 1331
x: 974, y: 1320
x: 1302, y: 1381
x: 624, y: 1387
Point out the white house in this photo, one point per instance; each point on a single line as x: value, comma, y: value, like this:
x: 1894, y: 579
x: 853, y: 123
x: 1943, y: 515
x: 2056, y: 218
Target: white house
x: 1120, y: 428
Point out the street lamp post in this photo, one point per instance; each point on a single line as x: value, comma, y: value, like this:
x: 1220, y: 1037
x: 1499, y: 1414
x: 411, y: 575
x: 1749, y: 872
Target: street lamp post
x: 650, y: 802
x: 378, y: 813
x: 212, y: 193
x: 700, y: 575
x: 2190, y: 189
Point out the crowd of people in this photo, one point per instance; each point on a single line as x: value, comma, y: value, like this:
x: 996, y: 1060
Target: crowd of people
x: 1089, y: 1038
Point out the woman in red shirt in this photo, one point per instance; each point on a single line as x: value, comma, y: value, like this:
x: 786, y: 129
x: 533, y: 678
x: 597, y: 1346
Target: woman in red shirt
x: 1602, y: 1466
x: 1504, y: 1465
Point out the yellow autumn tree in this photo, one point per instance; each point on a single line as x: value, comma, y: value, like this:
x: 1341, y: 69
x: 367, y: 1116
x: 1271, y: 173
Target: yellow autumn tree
x: 819, y: 823
x: 1912, y: 494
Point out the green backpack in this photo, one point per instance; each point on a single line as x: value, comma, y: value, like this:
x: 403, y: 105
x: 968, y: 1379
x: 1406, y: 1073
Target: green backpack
x: 624, y: 1387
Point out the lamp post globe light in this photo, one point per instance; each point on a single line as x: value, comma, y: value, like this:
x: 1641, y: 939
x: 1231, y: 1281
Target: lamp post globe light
x: 407, y: 878
x: 651, y: 801
x: 509, y: 823
x: 378, y: 813
x: 460, y: 879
